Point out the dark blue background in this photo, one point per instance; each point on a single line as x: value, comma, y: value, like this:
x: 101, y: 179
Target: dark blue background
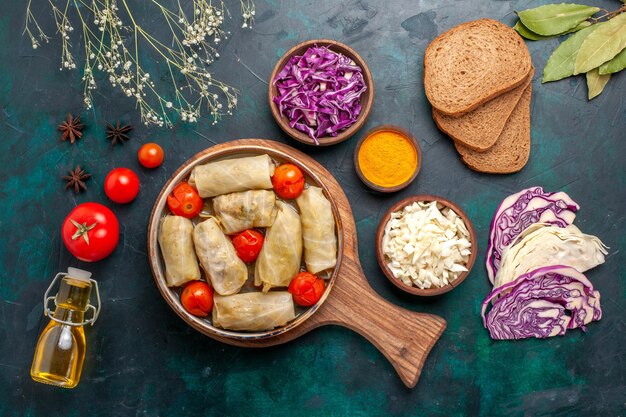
x: 142, y: 360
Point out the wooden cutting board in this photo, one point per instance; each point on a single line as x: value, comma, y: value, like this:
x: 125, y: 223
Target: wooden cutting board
x: 404, y: 337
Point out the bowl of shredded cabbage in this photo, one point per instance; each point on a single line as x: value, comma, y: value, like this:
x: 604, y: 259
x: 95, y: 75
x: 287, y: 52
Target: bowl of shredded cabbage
x: 321, y: 92
x: 426, y: 245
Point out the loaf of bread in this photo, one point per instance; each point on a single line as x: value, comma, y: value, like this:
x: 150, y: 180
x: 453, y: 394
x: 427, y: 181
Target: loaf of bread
x: 473, y: 63
x: 511, y: 150
x: 480, y: 129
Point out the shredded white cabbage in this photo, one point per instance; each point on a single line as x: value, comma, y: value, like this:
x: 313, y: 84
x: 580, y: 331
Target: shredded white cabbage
x: 426, y: 245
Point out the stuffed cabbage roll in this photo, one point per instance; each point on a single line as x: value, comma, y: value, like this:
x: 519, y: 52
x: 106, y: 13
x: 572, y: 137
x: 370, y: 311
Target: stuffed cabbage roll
x: 218, y: 257
x: 245, y: 210
x: 253, y: 311
x: 232, y: 175
x: 318, y: 230
x: 175, y: 240
x: 279, y: 260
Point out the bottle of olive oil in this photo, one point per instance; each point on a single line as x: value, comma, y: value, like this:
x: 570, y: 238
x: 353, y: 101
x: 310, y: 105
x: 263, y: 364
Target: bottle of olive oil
x: 60, y: 351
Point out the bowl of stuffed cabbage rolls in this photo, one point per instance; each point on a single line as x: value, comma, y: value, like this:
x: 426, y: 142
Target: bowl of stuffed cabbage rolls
x: 245, y: 243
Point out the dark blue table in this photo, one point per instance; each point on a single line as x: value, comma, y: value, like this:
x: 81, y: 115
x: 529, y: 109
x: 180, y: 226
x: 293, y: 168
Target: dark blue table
x: 142, y: 360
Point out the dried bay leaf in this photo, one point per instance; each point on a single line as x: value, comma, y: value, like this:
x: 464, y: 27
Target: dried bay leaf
x: 530, y: 35
x: 617, y: 64
x: 596, y: 82
x: 527, y: 33
x: 602, y: 45
x: 562, y: 62
x: 553, y: 19
x: 581, y: 25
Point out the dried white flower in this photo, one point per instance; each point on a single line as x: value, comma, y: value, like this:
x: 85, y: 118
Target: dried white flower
x: 192, y: 47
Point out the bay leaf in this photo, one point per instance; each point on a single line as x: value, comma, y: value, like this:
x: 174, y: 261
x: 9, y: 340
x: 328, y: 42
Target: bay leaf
x: 527, y: 33
x: 562, y: 61
x: 596, y: 82
x: 616, y: 64
x: 581, y: 25
x: 553, y: 19
x: 530, y: 35
x: 602, y: 45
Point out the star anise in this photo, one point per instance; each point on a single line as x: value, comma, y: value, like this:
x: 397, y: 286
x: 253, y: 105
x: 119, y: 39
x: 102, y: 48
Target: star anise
x: 76, y: 179
x: 71, y: 128
x: 118, y: 133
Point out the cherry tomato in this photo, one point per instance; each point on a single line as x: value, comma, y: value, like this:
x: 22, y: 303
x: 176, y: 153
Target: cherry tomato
x: 150, y: 155
x: 288, y: 181
x: 248, y: 244
x: 90, y: 232
x: 121, y: 185
x: 306, y: 288
x: 185, y: 201
x: 197, y: 298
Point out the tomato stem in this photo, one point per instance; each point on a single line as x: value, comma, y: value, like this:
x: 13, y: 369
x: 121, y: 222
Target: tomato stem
x: 82, y: 230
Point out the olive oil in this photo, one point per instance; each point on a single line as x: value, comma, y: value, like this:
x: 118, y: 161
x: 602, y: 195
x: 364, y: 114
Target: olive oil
x: 60, y: 351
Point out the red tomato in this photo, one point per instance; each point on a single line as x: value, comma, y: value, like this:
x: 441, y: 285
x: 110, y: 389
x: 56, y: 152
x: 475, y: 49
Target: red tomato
x: 248, y: 244
x: 197, y: 298
x: 288, y: 181
x: 121, y: 185
x: 306, y: 288
x: 90, y: 232
x: 150, y: 155
x: 185, y: 201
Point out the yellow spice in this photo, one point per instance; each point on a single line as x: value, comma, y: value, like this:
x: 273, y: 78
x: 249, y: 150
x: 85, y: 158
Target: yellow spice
x: 387, y: 158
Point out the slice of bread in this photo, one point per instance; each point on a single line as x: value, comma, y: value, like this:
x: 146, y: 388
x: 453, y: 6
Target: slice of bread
x: 511, y: 151
x: 473, y: 63
x: 479, y: 129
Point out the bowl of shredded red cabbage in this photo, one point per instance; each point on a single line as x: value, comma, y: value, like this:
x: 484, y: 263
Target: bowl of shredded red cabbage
x: 321, y: 92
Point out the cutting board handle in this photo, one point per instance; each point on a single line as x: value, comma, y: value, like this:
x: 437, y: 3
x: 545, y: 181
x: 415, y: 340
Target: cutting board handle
x: 403, y: 336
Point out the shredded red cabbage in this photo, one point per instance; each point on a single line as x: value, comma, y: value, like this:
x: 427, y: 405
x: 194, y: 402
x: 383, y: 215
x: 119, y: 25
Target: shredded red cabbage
x: 319, y: 92
x: 519, y: 211
x: 543, y: 303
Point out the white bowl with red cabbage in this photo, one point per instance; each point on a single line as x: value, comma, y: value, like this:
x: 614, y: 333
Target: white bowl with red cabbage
x: 321, y: 92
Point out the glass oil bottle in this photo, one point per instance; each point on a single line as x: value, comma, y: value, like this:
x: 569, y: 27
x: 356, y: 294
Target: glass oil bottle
x: 60, y: 351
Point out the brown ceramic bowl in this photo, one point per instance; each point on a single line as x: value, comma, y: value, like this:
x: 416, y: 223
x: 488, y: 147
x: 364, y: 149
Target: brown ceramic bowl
x: 367, y: 98
x: 228, y: 150
x: 383, y: 263
x: 400, y: 131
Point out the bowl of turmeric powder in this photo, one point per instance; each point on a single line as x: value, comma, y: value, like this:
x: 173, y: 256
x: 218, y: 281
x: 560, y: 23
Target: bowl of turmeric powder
x: 388, y: 158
